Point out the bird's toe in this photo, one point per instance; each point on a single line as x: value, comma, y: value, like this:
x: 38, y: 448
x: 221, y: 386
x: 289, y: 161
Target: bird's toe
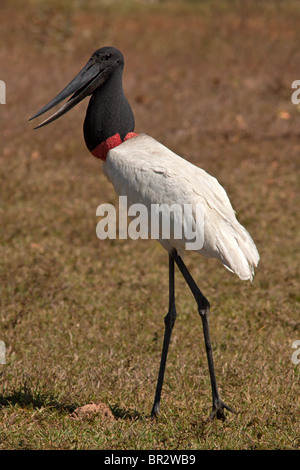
x: 218, y: 410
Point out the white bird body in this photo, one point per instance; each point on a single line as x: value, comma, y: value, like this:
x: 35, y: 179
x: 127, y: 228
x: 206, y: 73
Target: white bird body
x: 148, y: 173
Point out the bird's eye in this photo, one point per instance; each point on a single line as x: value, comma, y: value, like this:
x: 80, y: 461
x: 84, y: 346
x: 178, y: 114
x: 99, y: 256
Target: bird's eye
x: 107, y: 56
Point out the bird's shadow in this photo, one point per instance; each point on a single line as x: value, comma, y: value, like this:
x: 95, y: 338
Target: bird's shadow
x: 127, y: 414
x: 26, y: 397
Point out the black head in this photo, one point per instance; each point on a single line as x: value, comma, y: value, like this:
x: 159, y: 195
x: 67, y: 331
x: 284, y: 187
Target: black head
x: 101, y: 66
x: 108, y: 56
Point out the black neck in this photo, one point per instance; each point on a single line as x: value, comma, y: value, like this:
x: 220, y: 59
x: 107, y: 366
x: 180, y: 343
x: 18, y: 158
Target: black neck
x: 108, y: 113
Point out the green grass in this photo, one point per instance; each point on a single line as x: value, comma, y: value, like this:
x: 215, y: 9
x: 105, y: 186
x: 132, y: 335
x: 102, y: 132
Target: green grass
x: 83, y: 319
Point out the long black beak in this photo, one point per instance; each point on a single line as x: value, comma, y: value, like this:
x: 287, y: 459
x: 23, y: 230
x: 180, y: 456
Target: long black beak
x: 85, y: 83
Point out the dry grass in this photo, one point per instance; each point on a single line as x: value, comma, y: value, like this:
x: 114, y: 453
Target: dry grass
x: 83, y: 319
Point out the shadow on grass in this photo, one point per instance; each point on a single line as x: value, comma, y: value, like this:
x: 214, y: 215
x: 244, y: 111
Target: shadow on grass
x: 25, y: 397
x: 131, y: 414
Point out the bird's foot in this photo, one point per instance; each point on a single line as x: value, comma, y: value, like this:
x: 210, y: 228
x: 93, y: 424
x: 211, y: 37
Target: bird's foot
x: 155, y: 410
x: 218, y: 410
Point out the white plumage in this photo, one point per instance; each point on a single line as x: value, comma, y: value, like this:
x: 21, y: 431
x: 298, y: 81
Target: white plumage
x: 148, y: 173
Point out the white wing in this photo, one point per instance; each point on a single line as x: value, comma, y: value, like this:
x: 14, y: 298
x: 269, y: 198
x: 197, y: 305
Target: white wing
x: 148, y: 173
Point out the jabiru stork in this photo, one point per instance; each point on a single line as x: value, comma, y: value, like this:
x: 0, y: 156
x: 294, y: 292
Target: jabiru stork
x: 147, y: 172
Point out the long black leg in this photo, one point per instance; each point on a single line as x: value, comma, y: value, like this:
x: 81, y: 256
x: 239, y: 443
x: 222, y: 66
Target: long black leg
x: 169, y: 323
x: 203, y: 307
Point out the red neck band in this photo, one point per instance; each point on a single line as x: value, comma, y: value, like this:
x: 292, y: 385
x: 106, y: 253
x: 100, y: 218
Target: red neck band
x: 102, y: 149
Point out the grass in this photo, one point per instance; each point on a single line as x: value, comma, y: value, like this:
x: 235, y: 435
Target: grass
x: 82, y: 319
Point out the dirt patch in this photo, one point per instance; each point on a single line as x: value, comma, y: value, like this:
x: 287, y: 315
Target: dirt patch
x: 92, y: 409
